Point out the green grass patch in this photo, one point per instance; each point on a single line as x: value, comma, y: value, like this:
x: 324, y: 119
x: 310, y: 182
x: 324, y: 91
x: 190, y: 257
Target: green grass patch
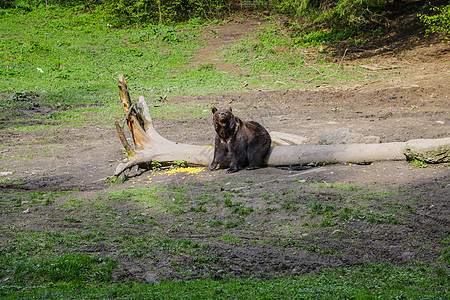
x: 61, y: 59
x: 176, y: 246
x: 68, y: 59
x: 370, y: 281
x: 146, y: 195
x: 332, y: 214
x: 14, y: 201
x: 75, y: 268
x: 282, y: 62
x: 56, y: 59
x: 337, y: 186
x: 229, y: 238
x: 238, y: 207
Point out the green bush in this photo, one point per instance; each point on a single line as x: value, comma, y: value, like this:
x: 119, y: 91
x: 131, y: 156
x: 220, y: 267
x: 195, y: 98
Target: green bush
x: 131, y: 12
x: 29, y: 5
x: 342, y: 12
x: 439, y: 22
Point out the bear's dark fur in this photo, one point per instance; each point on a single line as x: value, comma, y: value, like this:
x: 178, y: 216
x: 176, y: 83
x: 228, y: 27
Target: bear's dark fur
x: 245, y: 143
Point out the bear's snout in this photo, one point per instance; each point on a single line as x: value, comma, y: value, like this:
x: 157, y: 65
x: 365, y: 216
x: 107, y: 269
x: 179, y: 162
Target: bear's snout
x: 222, y: 116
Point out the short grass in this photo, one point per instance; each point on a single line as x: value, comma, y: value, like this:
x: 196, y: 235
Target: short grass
x: 70, y: 60
x: 369, y: 281
x: 75, y: 59
x: 66, y: 59
x: 283, y: 63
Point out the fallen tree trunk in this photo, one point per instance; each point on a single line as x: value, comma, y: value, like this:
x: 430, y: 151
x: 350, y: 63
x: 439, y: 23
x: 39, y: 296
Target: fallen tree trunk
x: 149, y: 146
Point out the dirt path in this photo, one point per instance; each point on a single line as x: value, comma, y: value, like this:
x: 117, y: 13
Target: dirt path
x: 219, y: 36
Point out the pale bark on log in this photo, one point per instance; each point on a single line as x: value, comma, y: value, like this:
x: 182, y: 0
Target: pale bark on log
x: 149, y: 146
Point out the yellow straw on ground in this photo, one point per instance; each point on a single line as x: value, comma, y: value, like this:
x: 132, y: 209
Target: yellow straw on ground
x: 187, y: 170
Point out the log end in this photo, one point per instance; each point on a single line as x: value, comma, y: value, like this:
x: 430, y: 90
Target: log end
x: 428, y: 151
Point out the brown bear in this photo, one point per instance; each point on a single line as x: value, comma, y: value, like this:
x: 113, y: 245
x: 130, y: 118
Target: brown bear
x: 244, y: 143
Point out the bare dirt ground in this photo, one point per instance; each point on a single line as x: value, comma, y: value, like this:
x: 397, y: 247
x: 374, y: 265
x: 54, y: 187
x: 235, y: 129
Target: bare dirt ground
x: 410, y: 101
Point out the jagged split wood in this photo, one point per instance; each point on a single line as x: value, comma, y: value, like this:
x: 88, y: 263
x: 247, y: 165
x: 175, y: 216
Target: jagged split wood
x: 149, y: 146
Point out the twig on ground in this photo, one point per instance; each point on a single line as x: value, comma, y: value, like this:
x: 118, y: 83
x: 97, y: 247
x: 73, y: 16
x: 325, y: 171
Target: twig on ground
x: 342, y: 59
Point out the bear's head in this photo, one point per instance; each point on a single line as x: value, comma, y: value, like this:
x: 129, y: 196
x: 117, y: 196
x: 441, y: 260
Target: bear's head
x: 223, y: 116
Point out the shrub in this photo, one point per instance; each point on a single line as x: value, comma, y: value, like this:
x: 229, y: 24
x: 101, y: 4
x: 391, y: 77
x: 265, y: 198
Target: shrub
x: 439, y: 22
x: 341, y: 12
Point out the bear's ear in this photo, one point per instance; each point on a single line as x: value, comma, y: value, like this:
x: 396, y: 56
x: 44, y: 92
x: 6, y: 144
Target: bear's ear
x: 213, y: 110
x: 230, y: 109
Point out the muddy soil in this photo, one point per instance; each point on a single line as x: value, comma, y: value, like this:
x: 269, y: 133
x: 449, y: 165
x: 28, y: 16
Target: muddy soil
x: 279, y: 235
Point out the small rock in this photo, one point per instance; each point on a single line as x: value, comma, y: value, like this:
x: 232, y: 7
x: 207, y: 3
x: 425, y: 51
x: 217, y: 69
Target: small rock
x: 151, y: 280
x: 281, y: 138
x: 295, y: 272
x: 407, y: 256
x: 337, y: 231
x: 345, y: 136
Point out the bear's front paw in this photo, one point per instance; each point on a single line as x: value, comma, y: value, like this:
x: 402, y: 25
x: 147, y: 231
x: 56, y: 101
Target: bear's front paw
x: 212, y: 167
x: 252, y: 168
x: 232, y: 170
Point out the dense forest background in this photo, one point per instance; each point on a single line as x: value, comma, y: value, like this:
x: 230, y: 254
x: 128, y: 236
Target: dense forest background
x: 338, y: 13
